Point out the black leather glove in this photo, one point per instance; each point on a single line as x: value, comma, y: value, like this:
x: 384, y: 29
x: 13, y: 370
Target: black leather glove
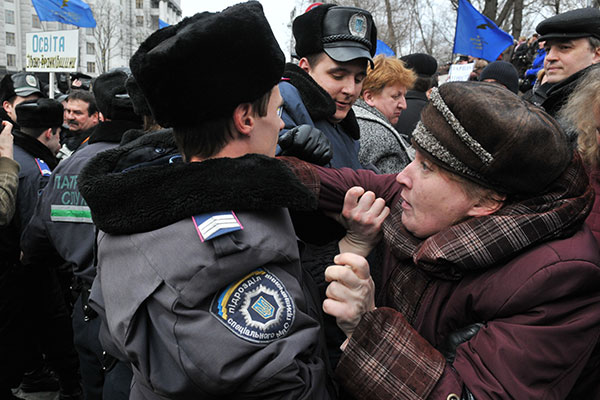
x: 454, y: 339
x: 307, y: 143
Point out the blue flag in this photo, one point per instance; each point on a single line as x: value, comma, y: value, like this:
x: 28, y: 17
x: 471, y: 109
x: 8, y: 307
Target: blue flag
x: 383, y: 48
x: 162, y: 24
x: 72, y: 12
x: 477, y: 35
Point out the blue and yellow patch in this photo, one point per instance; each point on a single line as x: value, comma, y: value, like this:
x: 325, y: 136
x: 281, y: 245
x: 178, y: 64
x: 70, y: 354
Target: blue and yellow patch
x: 257, y: 308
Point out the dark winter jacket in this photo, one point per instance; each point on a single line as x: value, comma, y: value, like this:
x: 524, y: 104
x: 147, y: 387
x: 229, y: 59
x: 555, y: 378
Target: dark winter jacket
x: 305, y: 102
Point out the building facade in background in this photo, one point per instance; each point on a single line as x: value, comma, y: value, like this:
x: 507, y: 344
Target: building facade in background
x: 121, y: 26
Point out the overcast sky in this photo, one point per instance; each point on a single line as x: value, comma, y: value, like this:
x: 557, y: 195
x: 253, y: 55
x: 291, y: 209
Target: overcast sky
x: 276, y: 11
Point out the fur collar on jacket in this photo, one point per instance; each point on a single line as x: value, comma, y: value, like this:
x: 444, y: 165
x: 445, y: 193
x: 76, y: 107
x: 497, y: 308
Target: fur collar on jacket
x: 111, y: 131
x: 317, y: 101
x: 136, y: 187
x: 35, y: 148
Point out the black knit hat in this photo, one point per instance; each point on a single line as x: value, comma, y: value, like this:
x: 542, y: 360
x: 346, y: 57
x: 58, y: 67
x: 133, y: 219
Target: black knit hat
x: 112, y: 98
x: 40, y: 113
x: 502, y: 72
x: 490, y: 136
x: 20, y: 84
x: 206, y: 65
x: 140, y: 105
x: 344, y: 33
x: 423, y: 64
x: 583, y: 22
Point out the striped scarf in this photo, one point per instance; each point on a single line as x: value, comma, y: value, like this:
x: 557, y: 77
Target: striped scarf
x: 485, y: 242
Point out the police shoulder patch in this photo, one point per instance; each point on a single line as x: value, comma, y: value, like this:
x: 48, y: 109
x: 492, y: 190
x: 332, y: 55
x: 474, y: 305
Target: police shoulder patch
x: 212, y: 225
x: 43, y: 167
x: 257, y: 308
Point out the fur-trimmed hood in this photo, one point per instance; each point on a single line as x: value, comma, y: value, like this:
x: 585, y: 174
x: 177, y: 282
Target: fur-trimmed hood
x: 144, y: 186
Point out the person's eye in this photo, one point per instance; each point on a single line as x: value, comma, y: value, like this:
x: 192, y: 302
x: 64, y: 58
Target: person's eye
x: 337, y: 77
x: 359, y: 79
x: 426, y: 166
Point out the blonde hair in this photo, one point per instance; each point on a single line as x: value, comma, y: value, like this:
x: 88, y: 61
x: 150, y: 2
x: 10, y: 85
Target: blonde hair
x: 579, y: 112
x: 387, y: 71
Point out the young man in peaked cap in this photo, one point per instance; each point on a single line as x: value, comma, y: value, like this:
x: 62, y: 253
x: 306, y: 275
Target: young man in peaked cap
x: 198, y: 282
x: 15, y: 89
x: 572, y: 47
x: 334, y: 45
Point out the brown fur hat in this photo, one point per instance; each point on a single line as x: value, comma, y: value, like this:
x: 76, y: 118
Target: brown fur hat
x: 490, y: 136
x: 208, y: 64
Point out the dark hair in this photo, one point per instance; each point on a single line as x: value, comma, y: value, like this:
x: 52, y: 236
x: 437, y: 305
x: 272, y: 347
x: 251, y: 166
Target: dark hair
x: 36, y: 132
x: 594, y: 43
x: 424, y: 83
x: 315, y: 59
x: 87, y: 97
x: 209, y: 137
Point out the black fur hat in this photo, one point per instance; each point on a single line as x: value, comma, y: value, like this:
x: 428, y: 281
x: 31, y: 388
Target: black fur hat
x: 140, y: 105
x: 344, y: 33
x: 40, y: 113
x: 208, y: 64
x: 112, y: 98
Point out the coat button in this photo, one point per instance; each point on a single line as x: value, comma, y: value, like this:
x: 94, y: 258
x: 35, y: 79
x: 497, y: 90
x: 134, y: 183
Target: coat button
x: 452, y: 396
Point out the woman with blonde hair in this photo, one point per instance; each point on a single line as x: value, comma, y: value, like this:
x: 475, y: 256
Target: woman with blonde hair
x: 377, y: 110
x: 582, y: 114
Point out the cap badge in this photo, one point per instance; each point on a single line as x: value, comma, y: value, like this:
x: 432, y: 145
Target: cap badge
x: 358, y: 25
x: 31, y: 81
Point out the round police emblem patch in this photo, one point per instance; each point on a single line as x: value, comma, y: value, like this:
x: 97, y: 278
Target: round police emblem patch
x: 30, y: 79
x: 257, y: 308
x: 358, y: 25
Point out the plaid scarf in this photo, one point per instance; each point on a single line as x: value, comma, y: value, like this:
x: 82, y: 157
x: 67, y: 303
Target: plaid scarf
x: 478, y: 244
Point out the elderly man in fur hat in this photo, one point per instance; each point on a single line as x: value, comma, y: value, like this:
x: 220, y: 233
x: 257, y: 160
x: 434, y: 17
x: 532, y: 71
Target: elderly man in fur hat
x: 199, y: 284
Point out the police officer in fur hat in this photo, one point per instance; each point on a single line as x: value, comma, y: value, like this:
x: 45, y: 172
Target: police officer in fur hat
x: 62, y: 223
x: 572, y: 43
x: 334, y: 44
x: 199, y: 283
x: 31, y: 290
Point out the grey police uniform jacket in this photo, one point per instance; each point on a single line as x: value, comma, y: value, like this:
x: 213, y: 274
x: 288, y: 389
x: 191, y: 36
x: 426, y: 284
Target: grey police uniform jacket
x: 205, y: 303
x: 62, y: 220
x: 305, y: 102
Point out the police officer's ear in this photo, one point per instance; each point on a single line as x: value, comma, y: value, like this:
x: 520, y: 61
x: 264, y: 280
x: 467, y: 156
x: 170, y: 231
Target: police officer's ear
x: 305, y: 65
x: 8, y: 107
x: 243, y: 118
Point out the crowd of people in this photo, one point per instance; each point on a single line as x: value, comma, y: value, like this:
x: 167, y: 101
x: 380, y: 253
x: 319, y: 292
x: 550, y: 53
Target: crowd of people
x: 340, y: 226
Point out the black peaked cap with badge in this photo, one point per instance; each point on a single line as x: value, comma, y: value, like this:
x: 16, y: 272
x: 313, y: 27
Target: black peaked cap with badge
x: 583, y: 22
x: 40, y: 113
x: 206, y: 65
x: 20, y: 84
x: 112, y: 98
x: 344, y: 33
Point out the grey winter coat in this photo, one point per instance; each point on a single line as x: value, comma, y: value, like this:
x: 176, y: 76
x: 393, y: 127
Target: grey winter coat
x: 380, y: 142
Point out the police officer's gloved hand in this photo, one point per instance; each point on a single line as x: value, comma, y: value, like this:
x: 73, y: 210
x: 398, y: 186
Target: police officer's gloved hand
x: 307, y: 143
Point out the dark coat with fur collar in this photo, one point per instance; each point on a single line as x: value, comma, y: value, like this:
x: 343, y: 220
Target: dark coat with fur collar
x: 308, y: 103
x: 134, y: 188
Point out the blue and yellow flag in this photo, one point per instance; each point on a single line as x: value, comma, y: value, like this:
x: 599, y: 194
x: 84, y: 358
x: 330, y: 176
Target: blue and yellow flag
x: 477, y: 35
x: 72, y: 12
